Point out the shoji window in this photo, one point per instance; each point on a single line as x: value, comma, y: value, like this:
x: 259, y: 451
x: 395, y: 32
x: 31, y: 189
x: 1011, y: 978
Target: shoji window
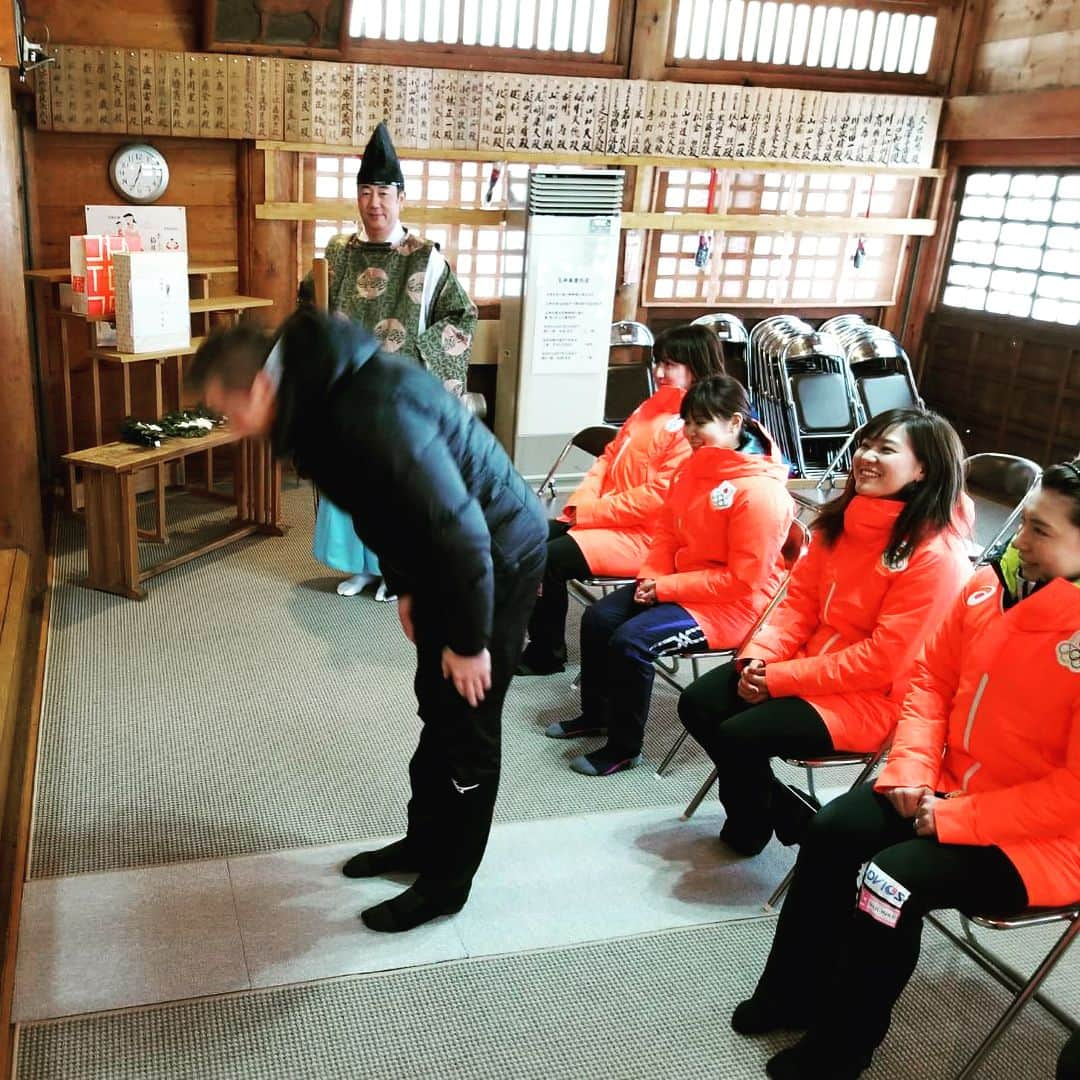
x: 886, y: 38
x: 754, y: 268
x: 476, y: 252
x: 564, y: 26
x: 1016, y: 250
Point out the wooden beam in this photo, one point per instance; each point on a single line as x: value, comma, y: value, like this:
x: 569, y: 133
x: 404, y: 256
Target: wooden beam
x: 1040, y: 114
x: 541, y: 157
x: 21, y: 520
x: 345, y: 210
x: 774, y: 223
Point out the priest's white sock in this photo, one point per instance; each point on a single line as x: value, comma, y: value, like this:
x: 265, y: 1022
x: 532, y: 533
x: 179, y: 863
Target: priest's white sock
x: 353, y: 585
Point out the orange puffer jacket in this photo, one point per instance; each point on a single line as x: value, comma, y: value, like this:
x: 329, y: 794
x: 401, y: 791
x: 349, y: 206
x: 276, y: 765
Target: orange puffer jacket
x: 717, y: 547
x: 999, y: 692
x: 617, y: 503
x: 846, y: 635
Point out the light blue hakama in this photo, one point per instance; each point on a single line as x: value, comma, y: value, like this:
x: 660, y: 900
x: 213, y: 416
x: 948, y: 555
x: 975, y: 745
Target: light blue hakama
x: 336, y: 543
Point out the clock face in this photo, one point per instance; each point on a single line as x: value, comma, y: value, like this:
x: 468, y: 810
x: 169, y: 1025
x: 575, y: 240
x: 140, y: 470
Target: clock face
x: 139, y: 173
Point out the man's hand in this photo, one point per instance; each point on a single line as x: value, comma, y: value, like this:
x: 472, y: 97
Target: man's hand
x: 471, y: 674
x: 905, y: 800
x: 404, y: 614
x: 752, y: 687
x: 645, y: 593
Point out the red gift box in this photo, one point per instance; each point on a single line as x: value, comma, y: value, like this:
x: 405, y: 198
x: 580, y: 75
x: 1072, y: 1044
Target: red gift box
x: 92, y: 286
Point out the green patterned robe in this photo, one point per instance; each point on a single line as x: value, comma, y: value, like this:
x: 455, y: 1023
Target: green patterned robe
x: 381, y: 286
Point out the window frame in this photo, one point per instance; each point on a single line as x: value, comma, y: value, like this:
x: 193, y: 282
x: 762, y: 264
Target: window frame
x: 784, y: 76
x: 612, y: 63
x: 939, y: 304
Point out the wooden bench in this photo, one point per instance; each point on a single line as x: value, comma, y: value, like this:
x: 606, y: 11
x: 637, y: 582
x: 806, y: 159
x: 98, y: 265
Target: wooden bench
x: 112, y: 535
x: 15, y: 597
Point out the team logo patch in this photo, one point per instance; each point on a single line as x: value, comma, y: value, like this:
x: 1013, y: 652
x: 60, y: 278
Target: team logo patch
x: 391, y: 334
x: 1068, y: 653
x: 979, y: 595
x: 676, y: 423
x: 723, y: 496
x: 371, y: 283
x: 881, y: 896
x: 415, y: 286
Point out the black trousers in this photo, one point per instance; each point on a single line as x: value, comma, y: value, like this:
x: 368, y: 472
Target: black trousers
x: 620, y: 639
x: 547, y: 626
x: 454, y: 772
x: 740, y: 739
x: 870, y: 960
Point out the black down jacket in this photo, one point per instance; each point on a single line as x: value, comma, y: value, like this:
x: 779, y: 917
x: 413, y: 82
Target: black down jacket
x: 429, y: 488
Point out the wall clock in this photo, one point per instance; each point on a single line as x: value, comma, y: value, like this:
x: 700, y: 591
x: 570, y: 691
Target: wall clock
x: 139, y: 173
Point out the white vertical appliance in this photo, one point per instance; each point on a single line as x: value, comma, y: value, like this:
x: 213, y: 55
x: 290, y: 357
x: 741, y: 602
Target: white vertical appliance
x: 554, y: 348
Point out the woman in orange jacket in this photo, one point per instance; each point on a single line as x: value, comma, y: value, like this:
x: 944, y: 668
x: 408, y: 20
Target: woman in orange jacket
x: 985, y: 768
x: 712, y: 568
x: 607, y: 524
x: 829, y: 669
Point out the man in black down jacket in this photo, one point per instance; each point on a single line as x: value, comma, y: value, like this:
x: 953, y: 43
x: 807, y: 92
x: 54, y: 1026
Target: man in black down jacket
x: 461, y: 539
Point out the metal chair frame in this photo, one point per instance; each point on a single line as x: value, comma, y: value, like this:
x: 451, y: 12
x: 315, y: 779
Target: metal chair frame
x: 798, y: 540
x: 1023, y: 987
x: 1005, y: 460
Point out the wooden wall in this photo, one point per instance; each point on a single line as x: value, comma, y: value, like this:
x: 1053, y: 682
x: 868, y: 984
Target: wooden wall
x: 69, y: 171
x: 148, y: 24
x: 1028, y: 45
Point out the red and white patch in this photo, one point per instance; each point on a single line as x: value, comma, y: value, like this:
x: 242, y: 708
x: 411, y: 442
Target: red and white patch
x: 455, y: 341
x: 414, y: 287
x: 878, y: 910
x: 371, y: 283
x: 391, y: 333
x: 979, y: 595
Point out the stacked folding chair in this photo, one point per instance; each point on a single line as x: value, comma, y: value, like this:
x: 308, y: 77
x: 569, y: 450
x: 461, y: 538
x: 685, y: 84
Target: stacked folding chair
x: 801, y: 386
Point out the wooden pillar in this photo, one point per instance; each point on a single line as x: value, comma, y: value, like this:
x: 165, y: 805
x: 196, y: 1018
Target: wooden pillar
x: 268, y: 250
x: 649, y: 42
x: 20, y: 465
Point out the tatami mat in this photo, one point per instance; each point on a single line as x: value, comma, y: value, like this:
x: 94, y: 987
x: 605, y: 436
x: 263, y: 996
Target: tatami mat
x: 244, y: 706
x: 653, y: 1007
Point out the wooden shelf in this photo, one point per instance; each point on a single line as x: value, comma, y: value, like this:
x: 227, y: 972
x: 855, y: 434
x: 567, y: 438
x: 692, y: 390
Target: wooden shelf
x: 63, y: 273
x: 203, y: 304
x: 113, y: 356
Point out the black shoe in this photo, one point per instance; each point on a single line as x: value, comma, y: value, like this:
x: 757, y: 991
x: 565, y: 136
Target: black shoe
x: 535, y: 662
x: 578, y: 728
x: 395, y: 858
x: 759, y: 1016
x: 792, y: 811
x: 407, y: 911
x: 811, y: 1059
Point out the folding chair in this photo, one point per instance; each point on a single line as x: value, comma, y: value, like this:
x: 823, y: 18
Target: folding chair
x: 798, y: 540
x: 1023, y: 987
x: 999, y: 484
x: 628, y: 384
x: 731, y: 331
x: 841, y: 758
x: 593, y: 441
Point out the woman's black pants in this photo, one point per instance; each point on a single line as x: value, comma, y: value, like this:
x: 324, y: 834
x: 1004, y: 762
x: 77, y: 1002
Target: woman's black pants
x: 868, y: 926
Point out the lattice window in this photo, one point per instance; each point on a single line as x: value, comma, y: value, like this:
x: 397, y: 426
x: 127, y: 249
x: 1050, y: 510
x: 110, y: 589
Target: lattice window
x: 753, y: 268
x: 573, y: 26
x: 872, y: 38
x: 486, y: 258
x: 1017, y: 246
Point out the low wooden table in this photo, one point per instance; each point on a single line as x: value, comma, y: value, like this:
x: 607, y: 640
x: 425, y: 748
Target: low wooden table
x: 112, y: 535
